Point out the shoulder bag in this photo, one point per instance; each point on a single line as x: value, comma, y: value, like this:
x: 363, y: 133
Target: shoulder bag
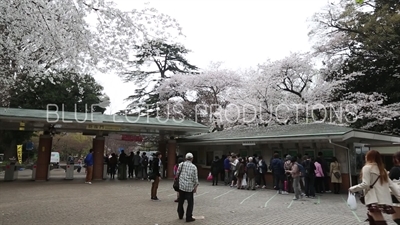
x: 362, y: 196
x: 176, y: 180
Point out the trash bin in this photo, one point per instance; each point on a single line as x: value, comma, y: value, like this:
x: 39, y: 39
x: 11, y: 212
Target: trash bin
x: 11, y: 172
x: 69, y: 171
x: 34, y: 172
x: 105, y: 172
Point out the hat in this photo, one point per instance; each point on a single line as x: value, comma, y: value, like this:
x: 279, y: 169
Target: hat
x: 189, y: 156
x: 288, y: 157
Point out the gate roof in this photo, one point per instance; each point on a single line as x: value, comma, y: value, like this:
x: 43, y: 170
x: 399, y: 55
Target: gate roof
x: 94, y: 123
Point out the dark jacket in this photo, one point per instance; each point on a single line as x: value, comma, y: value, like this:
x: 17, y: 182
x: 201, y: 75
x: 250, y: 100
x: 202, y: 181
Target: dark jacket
x: 277, y: 166
x: 221, y: 165
x: 263, y: 167
x: 215, y: 167
x: 241, y: 169
x: 251, y: 170
x: 325, y: 166
x: 123, y: 158
x: 130, y: 159
x: 113, y: 161
x: 309, y: 168
x: 156, y: 167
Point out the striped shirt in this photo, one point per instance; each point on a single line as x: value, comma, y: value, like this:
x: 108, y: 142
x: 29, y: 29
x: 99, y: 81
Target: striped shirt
x: 188, y: 178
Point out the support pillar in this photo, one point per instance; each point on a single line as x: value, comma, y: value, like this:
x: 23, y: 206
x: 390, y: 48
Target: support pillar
x: 44, y: 154
x: 171, y: 158
x: 98, y: 157
x: 162, y: 148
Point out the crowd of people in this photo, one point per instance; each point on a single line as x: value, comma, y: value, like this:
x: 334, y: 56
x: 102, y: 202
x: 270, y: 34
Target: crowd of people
x: 301, y: 175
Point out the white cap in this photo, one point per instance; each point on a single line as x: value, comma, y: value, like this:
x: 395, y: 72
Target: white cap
x: 189, y: 156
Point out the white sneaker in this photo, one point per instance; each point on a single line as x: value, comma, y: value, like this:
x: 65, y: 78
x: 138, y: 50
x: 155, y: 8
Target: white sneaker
x: 89, y: 182
x: 285, y: 193
x: 263, y: 186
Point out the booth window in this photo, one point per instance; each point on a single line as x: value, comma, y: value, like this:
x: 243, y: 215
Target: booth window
x: 209, y: 158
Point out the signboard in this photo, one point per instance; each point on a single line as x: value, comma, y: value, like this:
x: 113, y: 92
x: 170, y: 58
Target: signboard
x: 19, y: 153
x: 127, y: 137
x: 103, y: 127
x: 29, y: 146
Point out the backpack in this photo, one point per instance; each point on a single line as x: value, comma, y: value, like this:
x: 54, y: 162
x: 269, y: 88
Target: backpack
x: 145, y: 161
x: 301, y: 168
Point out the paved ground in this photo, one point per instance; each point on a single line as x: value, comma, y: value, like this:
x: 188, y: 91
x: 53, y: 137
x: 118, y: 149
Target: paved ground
x: 128, y: 202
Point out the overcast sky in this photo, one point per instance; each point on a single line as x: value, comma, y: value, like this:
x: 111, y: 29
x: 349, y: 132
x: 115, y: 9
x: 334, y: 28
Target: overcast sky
x: 240, y: 33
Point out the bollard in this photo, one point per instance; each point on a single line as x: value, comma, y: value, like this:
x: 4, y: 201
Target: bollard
x: 105, y: 172
x: 34, y: 172
x: 11, y: 172
x: 48, y: 171
x: 69, y: 171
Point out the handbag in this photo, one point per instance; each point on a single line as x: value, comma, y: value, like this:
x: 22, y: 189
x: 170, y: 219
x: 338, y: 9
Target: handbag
x: 210, y: 177
x: 337, y: 175
x: 362, y: 196
x: 176, y: 180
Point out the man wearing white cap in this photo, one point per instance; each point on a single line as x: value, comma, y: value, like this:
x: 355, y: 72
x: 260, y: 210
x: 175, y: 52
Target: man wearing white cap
x: 188, y: 182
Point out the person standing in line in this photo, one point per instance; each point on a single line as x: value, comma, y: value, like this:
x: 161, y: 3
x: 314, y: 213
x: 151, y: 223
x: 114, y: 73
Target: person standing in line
x: 336, y: 175
x: 215, y: 170
x: 130, y: 165
x: 136, y: 164
x: 309, y: 167
x: 227, y: 168
x: 144, y: 161
x: 156, y: 165
x: 113, y: 165
x: 89, y: 167
x: 188, y: 183
x: 221, y: 168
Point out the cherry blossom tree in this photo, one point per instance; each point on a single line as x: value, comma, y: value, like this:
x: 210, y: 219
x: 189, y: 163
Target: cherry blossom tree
x: 82, y: 35
x: 198, y: 96
x: 275, y: 92
x: 359, y: 45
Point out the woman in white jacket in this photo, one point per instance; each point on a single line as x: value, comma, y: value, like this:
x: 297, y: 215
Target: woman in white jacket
x: 377, y: 199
